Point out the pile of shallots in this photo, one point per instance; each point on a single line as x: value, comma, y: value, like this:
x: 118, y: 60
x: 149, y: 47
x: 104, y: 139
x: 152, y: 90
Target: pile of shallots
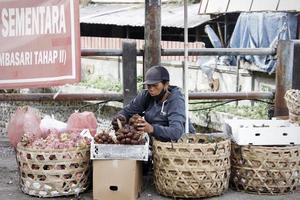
x: 56, y: 140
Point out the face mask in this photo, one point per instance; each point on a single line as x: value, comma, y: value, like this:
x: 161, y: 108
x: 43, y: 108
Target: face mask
x: 160, y: 95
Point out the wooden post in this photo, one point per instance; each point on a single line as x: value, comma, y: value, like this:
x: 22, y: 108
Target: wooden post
x: 152, y: 33
x: 129, y: 70
x: 296, y: 66
x: 284, y: 75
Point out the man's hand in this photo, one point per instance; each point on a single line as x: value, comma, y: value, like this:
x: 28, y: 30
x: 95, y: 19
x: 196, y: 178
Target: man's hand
x: 144, y: 126
x: 114, y: 121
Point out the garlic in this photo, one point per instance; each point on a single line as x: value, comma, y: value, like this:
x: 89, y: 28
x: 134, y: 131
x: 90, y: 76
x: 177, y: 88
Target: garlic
x: 54, y: 193
x: 64, y: 137
x: 47, y: 187
x: 77, y: 190
x: 36, y: 185
x: 31, y: 192
x: 43, y: 193
x: 27, y: 184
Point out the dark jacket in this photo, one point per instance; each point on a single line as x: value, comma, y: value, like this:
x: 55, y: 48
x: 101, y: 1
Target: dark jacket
x: 167, y: 118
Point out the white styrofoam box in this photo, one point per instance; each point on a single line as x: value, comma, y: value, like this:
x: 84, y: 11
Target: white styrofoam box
x: 120, y: 151
x: 262, y: 132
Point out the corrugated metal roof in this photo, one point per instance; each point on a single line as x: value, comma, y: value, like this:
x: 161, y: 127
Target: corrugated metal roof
x: 122, y: 1
x: 134, y: 15
x: 227, y: 6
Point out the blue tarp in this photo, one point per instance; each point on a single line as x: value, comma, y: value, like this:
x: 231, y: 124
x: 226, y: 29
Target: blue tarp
x: 263, y: 30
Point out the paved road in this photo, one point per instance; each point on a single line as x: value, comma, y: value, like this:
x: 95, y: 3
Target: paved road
x: 9, y: 186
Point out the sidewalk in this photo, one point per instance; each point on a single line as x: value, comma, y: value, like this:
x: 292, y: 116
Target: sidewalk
x: 9, y: 186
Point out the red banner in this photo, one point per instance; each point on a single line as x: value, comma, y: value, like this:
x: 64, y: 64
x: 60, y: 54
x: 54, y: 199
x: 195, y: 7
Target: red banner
x: 40, y: 43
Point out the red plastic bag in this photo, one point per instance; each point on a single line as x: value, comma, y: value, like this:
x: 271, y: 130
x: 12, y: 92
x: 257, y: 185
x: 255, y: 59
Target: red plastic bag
x: 24, y: 121
x: 85, y: 120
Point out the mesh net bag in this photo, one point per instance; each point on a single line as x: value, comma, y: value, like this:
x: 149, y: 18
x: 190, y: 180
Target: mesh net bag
x: 197, y: 166
x: 292, y: 98
x: 265, y: 169
x: 55, y: 172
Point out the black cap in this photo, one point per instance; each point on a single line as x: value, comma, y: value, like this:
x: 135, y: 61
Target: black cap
x: 156, y: 74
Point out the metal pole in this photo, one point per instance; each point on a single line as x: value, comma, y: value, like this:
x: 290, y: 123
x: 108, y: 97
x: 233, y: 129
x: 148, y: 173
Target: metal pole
x: 183, y: 75
x: 192, y: 52
x: 119, y: 97
x: 61, y: 97
x: 220, y: 52
x: 186, y: 90
x: 237, y: 86
x: 231, y: 95
x: 101, y: 52
x: 225, y: 29
x: 252, y: 85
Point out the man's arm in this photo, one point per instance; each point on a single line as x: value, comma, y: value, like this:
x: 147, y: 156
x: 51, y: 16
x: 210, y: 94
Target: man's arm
x: 136, y: 106
x: 176, y: 120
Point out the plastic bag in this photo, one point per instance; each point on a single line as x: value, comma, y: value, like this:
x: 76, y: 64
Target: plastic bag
x: 85, y: 120
x: 24, y: 121
x: 49, y: 124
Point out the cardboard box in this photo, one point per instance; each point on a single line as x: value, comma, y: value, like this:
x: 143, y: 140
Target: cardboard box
x: 117, y: 179
x: 263, y: 132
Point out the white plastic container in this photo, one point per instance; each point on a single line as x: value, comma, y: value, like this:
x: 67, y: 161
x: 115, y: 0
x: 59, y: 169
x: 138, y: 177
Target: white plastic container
x: 120, y: 151
x: 263, y: 132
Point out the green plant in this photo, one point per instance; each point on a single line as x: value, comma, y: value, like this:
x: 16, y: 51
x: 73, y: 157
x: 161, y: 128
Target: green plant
x: 102, y: 83
x: 258, y: 111
x: 139, y: 80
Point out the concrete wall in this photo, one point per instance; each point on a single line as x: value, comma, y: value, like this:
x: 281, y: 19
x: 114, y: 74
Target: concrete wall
x: 111, y: 69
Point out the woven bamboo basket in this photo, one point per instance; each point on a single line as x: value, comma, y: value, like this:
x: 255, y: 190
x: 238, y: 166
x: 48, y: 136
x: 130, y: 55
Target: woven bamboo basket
x: 50, y: 173
x: 292, y: 98
x: 197, y: 166
x: 265, y: 169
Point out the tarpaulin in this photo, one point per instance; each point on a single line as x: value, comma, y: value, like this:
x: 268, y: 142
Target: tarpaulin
x: 263, y: 30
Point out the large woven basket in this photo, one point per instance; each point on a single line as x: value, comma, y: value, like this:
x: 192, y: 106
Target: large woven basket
x: 197, y: 166
x: 50, y: 173
x: 264, y: 169
x: 292, y: 98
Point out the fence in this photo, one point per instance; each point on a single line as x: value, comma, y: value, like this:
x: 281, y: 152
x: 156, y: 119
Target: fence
x: 286, y: 73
